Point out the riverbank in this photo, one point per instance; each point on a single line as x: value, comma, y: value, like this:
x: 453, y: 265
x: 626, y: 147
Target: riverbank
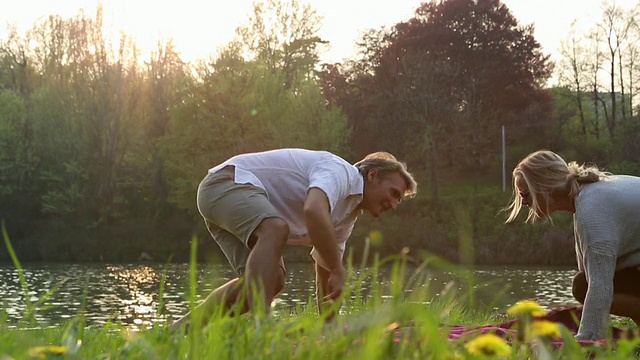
x: 464, y: 224
x: 398, y: 316
x: 395, y: 328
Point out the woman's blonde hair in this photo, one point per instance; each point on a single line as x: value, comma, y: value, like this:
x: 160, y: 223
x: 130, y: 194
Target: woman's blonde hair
x: 546, y: 173
x: 387, y: 164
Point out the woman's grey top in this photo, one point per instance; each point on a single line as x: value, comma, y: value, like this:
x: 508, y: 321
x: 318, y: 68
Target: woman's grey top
x: 607, y: 234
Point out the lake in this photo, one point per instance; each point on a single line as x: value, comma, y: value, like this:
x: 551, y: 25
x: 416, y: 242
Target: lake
x: 129, y: 293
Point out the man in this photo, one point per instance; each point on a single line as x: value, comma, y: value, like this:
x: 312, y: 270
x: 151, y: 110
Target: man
x: 256, y: 204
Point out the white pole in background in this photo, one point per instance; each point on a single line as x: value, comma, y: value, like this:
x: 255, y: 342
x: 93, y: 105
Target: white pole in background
x: 504, y: 163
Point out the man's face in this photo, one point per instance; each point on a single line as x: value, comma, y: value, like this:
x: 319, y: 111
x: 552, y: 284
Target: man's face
x: 382, y: 194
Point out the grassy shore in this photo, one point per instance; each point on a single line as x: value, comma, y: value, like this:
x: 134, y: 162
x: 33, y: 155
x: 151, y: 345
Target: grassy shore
x: 389, y: 322
x: 393, y: 328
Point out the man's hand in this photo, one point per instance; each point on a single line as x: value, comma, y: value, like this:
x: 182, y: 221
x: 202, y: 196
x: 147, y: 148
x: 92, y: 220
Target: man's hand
x: 329, y: 286
x: 335, y: 284
x: 329, y: 276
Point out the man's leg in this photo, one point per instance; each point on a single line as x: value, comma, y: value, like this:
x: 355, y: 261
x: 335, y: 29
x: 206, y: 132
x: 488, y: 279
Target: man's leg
x: 225, y: 296
x: 252, y: 236
x: 264, y: 271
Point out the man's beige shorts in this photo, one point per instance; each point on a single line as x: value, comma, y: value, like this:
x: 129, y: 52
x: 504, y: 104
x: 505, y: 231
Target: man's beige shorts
x: 232, y: 212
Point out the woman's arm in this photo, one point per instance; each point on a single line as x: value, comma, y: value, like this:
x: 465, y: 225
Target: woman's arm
x: 599, y: 270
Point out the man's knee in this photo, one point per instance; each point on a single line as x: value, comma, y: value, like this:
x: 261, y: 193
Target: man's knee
x: 579, y: 287
x: 273, y: 230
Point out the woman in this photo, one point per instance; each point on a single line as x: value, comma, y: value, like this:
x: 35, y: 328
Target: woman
x: 606, y: 221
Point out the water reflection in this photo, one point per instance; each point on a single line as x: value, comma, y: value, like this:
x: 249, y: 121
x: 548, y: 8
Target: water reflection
x: 129, y: 293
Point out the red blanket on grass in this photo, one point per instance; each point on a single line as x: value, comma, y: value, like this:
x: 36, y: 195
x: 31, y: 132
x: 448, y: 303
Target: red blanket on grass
x: 565, y: 316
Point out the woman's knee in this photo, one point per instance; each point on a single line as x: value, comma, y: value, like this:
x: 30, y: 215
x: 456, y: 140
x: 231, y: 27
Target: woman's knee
x: 579, y: 287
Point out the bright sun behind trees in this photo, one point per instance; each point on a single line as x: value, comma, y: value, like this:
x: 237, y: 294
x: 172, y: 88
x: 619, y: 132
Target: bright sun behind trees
x: 101, y: 150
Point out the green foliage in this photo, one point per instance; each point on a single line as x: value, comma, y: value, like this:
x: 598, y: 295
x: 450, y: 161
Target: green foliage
x: 468, y: 227
x: 282, y: 35
x: 244, y: 109
x: 16, y: 156
x: 63, y: 199
x: 581, y: 123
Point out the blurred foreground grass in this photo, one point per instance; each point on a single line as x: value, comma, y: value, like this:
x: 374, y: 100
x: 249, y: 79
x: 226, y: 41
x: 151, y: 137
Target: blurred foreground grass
x: 390, y: 323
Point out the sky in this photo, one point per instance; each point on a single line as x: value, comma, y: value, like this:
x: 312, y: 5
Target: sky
x: 199, y: 27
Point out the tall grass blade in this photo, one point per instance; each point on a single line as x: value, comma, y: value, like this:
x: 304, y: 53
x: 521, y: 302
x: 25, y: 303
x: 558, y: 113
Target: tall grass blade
x: 196, y: 316
x: 16, y: 263
x: 163, y: 281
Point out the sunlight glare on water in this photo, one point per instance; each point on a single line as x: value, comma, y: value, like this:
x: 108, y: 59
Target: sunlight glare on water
x: 128, y: 294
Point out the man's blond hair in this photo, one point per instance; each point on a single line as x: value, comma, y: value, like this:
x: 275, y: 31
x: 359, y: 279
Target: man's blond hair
x: 388, y: 164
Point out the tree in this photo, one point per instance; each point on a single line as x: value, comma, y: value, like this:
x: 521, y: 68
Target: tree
x: 81, y: 94
x: 573, y: 69
x: 165, y: 80
x: 15, y: 163
x: 606, y: 52
x: 256, y: 95
x: 594, y: 68
x: 616, y: 27
x: 440, y: 85
x: 283, y: 35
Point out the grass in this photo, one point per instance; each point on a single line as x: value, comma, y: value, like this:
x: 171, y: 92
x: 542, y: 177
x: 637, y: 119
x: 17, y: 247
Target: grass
x: 386, y: 323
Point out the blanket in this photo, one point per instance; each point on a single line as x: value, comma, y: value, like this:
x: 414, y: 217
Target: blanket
x: 567, y: 316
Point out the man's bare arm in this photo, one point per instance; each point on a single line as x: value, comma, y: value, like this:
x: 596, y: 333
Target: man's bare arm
x: 323, y: 237
x: 322, y: 282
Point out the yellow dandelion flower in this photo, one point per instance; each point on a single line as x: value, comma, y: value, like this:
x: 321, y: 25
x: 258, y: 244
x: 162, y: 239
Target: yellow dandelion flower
x: 526, y: 308
x: 488, y: 345
x: 375, y: 236
x: 544, y: 328
x: 43, y: 352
